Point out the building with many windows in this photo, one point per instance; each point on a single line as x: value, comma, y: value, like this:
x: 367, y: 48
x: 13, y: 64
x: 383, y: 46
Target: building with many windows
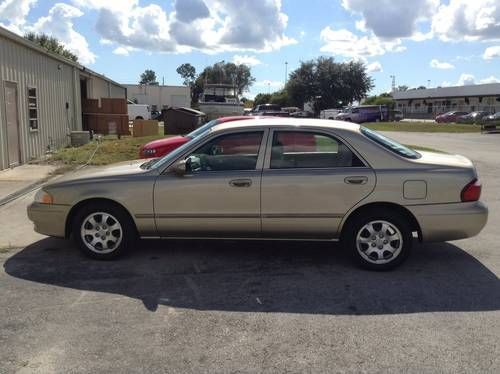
x: 428, y: 103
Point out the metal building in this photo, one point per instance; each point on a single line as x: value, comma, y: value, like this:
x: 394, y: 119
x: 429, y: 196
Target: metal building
x: 427, y: 103
x: 159, y: 97
x: 41, y: 97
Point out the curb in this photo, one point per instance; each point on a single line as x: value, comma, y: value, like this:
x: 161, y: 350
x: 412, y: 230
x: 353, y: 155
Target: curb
x: 23, y: 191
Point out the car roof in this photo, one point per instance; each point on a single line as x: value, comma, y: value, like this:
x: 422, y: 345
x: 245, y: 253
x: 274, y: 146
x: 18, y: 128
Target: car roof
x: 287, y: 122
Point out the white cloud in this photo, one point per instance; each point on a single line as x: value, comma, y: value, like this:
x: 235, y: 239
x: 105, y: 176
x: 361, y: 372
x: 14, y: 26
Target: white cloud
x: 269, y: 83
x: 466, y: 80
x: 246, y: 60
x: 492, y: 52
x: 14, y: 12
x: 58, y: 23
x: 467, y: 20
x: 121, y: 51
x: 208, y: 25
x: 436, y: 64
x: 490, y: 79
x: 446, y: 84
x: 345, y: 43
x: 391, y: 19
x: 375, y: 67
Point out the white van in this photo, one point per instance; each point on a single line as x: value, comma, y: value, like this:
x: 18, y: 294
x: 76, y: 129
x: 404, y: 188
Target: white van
x: 329, y: 113
x: 138, y: 111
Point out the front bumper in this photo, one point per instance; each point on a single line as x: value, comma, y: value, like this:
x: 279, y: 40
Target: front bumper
x: 444, y: 222
x: 49, y: 219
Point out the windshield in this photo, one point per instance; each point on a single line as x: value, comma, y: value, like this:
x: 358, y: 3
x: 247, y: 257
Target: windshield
x: 202, y: 129
x: 390, y: 144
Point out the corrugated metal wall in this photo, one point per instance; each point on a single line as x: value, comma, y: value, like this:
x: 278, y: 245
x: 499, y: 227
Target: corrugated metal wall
x: 99, y: 88
x: 54, y: 82
x: 58, y: 94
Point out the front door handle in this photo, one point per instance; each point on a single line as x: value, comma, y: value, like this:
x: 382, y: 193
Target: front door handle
x: 240, y: 183
x: 356, y: 180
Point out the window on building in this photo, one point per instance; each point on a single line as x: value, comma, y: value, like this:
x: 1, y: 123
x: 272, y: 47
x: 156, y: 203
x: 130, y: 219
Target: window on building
x: 33, y: 108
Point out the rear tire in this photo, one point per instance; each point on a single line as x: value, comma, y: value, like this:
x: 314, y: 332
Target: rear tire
x: 103, y: 231
x: 379, y: 240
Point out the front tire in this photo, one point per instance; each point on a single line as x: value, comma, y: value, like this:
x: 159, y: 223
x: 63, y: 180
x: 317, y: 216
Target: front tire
x: 379, y: 241
x: 103, y: 231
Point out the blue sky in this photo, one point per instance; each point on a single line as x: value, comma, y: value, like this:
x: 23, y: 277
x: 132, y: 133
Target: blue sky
x: 449, y: 42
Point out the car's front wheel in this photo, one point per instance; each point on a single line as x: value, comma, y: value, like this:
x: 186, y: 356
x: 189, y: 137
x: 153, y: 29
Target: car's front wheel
x: 103, y: 231
x: 379, y: 241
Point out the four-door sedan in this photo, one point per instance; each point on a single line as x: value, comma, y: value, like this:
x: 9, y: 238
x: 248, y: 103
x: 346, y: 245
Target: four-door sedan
x: 450, y: 117
x: 280, y: 179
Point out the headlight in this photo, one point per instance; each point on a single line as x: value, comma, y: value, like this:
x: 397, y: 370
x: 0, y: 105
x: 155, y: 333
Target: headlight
x: 43, y: 197
x: 150, y: 151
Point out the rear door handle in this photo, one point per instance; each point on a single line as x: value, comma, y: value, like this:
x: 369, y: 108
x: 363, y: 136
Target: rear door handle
x: 240, y: 183
x: 356, y: 180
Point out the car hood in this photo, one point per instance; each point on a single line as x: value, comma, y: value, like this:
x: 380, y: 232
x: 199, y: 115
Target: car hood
x: 444, y: 159
x: 172, y: 141
x: 94, y: 173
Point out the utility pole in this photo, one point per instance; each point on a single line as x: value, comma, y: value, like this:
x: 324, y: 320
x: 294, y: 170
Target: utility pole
x: 428, y: 83
x: 286, y: 72
x: 393, y: 77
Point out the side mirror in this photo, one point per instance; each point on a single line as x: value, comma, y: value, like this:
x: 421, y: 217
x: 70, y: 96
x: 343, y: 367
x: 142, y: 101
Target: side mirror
x: 180, y: 168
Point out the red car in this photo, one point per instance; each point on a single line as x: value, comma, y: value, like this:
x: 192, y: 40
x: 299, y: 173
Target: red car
x: 161, y: 147
x: 450, y: 117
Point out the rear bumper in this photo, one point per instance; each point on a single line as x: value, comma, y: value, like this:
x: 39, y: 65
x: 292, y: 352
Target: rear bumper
x: 49, y: 219
x: 443, y: 222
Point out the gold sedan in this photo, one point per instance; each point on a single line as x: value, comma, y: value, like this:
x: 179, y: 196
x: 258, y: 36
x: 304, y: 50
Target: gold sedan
x: 281, y: 178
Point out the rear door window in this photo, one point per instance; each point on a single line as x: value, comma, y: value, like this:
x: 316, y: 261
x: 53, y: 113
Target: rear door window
x: 296, y: 149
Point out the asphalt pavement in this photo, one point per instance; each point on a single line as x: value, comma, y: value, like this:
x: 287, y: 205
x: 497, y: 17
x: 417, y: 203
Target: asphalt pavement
x: 235, y: 306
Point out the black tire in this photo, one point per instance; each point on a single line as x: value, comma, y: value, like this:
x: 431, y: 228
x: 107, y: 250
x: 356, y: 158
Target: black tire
x: 116, y: 213
x: 395, y: 220
x: 139, y: 117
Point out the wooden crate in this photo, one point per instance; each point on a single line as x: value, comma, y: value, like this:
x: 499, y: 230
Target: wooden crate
x: 143, y: 127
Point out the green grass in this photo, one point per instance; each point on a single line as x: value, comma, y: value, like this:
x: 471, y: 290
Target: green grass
x: 110, y: 150
x: 422, y: 127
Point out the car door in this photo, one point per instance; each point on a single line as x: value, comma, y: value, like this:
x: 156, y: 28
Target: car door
x: 219, y: 196
x: 310, y: 180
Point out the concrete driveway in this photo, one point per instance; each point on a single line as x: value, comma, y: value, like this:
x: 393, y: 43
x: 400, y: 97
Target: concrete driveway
x: 228, y: 306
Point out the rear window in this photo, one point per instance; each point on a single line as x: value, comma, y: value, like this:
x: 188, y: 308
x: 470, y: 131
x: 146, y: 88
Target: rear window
x: 390, y: 144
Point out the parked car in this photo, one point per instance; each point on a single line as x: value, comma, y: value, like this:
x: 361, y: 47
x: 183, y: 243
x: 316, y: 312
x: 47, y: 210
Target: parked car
x: 492, y: 119
x: 282, y: 179
x: 473, y: 118
x: 329, y: 113
x: 364, y: 113
x: 161, y: 147
x: 449, y: 117
x: 397, y: 115
x: 138, y: 111
x: 269, y: 110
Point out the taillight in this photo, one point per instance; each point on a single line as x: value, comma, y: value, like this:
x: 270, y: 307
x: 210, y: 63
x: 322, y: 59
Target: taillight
x: 471, y: 192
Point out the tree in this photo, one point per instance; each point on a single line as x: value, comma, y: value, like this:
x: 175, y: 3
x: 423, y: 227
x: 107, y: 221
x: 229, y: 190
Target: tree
x: 228, y: 73
x: 247, y: 102
x: 149, y: 78
x: 402, y: 88
x: 188, y: 74
x: 328, y: 84
x: 51, y: 44
x: 382, y: 99
x: 222, y: 72
x: 262, y: 99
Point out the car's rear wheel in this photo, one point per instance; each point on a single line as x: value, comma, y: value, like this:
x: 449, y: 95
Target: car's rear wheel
x: 379, y: 241
x: 103, y: 231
